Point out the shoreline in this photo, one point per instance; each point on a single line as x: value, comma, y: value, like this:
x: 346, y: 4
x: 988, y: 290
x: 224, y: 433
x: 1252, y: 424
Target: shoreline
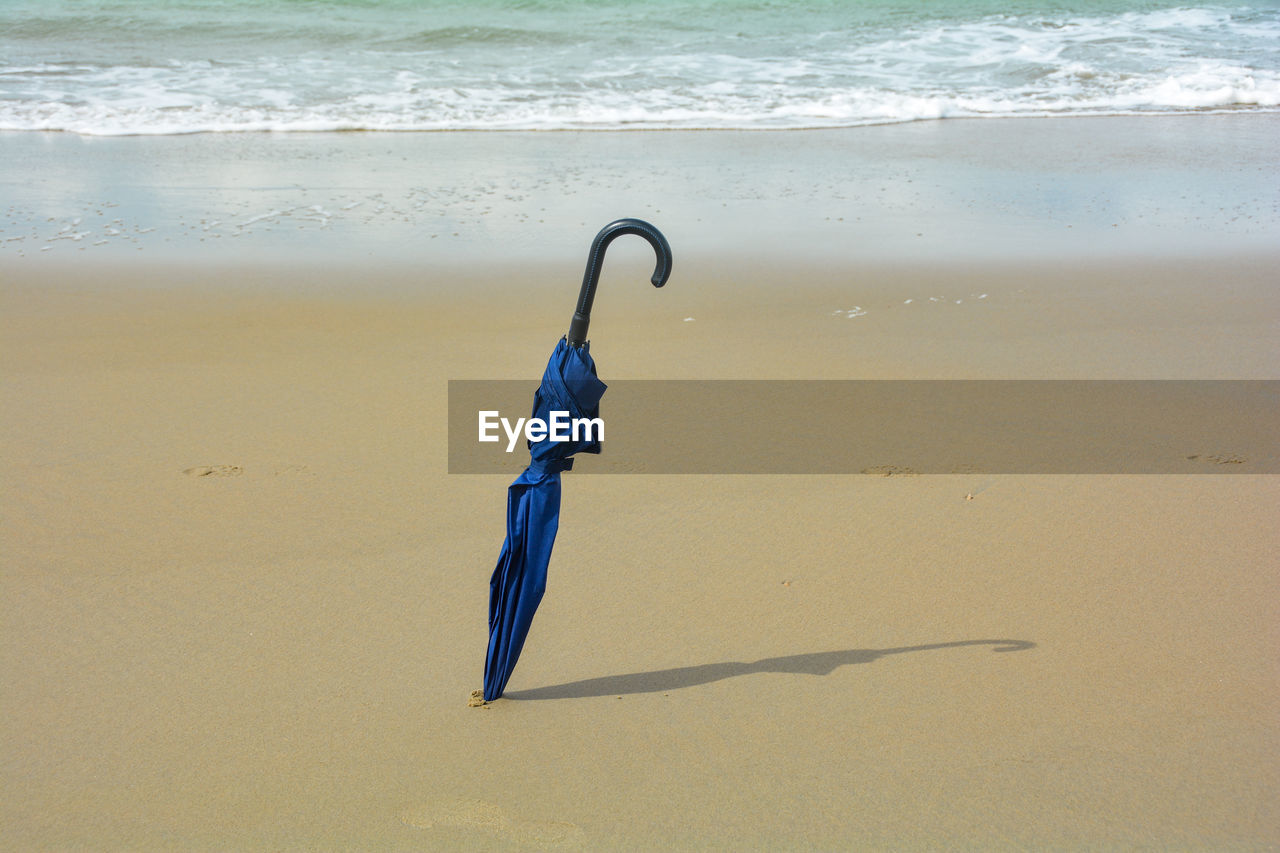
x: 1241, y: 110
x: 965, y: 189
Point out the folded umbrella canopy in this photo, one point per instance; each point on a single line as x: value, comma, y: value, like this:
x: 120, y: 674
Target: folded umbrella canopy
x: 570, y: 386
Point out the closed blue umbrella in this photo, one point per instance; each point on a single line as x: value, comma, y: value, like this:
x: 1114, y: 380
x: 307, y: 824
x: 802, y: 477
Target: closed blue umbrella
x: 569, y: 385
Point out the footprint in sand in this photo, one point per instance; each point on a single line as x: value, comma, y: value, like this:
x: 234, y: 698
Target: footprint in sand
x: 214, y: 471
x: 236, y: 471
x: 1219, y: 459
x: 490, y: 819
x: 458, y: 813
x: 890, y: 471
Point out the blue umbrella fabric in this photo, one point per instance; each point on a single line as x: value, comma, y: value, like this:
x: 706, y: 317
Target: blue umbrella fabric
x: 569, y: 384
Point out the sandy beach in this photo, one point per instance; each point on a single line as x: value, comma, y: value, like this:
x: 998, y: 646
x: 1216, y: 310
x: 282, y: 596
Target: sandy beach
x: 244, y: 603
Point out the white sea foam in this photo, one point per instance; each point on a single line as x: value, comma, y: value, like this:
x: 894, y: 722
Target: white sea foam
x: 384, y: 75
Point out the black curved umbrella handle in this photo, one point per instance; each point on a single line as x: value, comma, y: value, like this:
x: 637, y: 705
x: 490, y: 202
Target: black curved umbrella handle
x: 595, y: 259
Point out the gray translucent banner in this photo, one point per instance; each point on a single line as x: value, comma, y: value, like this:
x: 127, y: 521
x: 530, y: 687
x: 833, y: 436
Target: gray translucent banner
x: 892, y: 427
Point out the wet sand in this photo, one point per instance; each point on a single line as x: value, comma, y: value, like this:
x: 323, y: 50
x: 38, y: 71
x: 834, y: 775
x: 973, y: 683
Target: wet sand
x: 244, y: 604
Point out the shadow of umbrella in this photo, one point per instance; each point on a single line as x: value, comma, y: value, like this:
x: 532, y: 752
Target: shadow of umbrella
x: 815, y: 663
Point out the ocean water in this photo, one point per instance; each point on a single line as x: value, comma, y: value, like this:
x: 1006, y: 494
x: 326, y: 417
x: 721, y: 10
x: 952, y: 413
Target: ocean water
x: 112, y: 67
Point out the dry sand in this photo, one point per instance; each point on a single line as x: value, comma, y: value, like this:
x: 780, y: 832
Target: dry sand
x: 244, y: 604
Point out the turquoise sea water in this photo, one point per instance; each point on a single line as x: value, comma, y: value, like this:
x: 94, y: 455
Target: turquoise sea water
x: 104, y: 67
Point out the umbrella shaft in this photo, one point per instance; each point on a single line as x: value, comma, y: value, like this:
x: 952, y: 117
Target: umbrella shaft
x: 578, y: 329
